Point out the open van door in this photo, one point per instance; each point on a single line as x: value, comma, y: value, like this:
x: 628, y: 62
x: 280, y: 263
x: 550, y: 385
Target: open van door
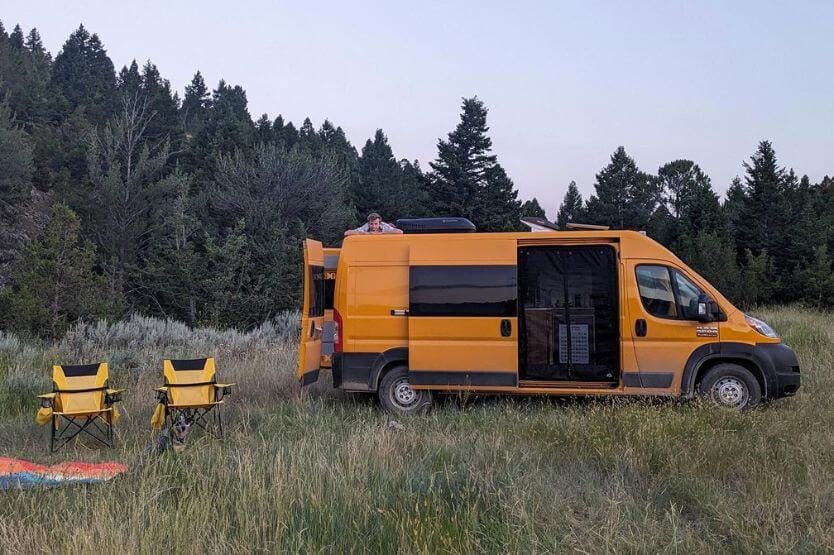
x: 312, y: 315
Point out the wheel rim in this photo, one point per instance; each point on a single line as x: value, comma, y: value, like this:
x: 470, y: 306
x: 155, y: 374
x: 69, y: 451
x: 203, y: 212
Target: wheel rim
x: 402, y: 395
x: 730, y: 392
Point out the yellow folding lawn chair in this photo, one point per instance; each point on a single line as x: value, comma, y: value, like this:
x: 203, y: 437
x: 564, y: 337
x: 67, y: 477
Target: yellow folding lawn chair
x: 80, y: 402
x: 191, y: 395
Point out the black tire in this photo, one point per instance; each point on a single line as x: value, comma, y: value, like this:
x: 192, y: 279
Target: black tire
x: 397, y: 397
x: 731, y: 386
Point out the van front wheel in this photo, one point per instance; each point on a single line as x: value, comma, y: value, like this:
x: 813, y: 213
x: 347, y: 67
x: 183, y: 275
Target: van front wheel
x: 731, y: 386
x: 397, y: 397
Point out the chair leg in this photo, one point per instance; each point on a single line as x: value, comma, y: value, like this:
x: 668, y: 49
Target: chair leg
x: 52, y: 434
x: 110, y: 429
x: 219, y: 417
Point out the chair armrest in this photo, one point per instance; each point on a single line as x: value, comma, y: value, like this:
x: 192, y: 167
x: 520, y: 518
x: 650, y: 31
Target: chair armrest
x: 223, y: 389
x: 47, y: 399
x: 113, y: 396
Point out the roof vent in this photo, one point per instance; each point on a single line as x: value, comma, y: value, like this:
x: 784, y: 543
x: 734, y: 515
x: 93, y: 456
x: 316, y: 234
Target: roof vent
x: 585, y: 227
x: 543, y: 224
x: 539, y: 224
x: 435, y: 225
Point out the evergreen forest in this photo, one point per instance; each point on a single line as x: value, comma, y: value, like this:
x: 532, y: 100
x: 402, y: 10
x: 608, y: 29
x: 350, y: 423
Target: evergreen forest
x: 120, y: 196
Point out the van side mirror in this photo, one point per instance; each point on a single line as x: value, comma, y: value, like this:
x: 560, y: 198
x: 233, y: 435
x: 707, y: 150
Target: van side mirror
x: 708, y: 310
x: 703, y: 309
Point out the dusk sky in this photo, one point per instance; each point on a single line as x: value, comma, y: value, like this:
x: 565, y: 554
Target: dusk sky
x: 565, y: 82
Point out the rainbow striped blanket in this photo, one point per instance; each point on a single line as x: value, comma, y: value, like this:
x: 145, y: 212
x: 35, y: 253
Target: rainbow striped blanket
x: 17, y: 473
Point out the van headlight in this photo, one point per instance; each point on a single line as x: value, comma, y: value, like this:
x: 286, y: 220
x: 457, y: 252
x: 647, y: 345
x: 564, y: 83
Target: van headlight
x: 761, y: 327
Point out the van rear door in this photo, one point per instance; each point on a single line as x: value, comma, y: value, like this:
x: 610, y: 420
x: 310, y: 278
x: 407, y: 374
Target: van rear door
x: 312, y: 315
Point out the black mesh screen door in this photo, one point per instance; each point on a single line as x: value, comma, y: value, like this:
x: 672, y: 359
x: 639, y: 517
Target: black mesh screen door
x: 568, y: 312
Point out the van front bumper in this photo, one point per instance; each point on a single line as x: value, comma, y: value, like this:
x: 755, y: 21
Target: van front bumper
x: 784, y: 380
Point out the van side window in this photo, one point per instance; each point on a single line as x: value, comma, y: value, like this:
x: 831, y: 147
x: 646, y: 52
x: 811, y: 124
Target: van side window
x: 462, y: 291
x: 667, y: 293
x: 656, y: 291
x: 688, y: 294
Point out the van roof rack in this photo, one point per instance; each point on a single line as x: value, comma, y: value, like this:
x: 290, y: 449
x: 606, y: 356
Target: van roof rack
x: 435, y: 225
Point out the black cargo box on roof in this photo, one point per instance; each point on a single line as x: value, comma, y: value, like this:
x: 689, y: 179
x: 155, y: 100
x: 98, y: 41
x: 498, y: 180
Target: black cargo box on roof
x: 435, y: 225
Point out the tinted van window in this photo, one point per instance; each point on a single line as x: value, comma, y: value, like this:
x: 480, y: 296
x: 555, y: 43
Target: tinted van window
x: 462, y: 291
x: 316, y: 292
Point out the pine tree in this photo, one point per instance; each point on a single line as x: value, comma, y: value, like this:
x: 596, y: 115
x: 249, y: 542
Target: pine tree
x: 162, y: 105
x: 732, y: 207
x: 625, y: 196
x: 24, y: 78
x: 54, y: 283
x: 571, y: 209
x: 129, y: 81
x: 123, y: 169
x: 820, y: 281
x: 195, y: 104
x: 228, y: 124
x: 688, y: 205
x: 16, y: 40
x: 532, y: 209
x: 712, y: 254
x: 498, y: 208
x: 467, y: 180
x: 762, y: 215
x: 85, y: 77
x: 15, y: 188
x: 15, y: 163
x: 382, y: 185
x: 170, y: 266
x: 757, y: 283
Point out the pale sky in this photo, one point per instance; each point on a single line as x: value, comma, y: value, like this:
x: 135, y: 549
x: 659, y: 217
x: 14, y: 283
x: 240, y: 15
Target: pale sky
x: 565, y: 82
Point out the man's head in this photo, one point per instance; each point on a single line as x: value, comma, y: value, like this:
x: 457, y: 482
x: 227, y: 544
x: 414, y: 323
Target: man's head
x: 374, y: 222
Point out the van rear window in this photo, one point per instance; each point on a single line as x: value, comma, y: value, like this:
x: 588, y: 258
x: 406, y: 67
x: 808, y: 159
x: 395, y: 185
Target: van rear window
x: 462, y: 291
x: 316, y: 292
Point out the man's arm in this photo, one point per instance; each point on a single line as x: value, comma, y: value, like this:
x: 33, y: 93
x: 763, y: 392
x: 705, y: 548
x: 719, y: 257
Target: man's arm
x: 361, y: 230
x: 388, y: 228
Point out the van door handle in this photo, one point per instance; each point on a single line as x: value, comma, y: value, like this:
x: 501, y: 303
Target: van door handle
x: 399, y: 312
x: 506, y: 328
x: 640, y: 328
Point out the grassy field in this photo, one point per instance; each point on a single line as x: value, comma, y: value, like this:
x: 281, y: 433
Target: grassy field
x: 324, y: 471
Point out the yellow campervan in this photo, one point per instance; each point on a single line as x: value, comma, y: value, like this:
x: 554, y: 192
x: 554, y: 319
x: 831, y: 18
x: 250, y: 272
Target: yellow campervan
x: 579, y: 312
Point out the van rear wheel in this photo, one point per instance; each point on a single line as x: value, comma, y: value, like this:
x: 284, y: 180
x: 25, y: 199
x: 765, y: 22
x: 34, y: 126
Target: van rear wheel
x: 731, y: 386
x: 397, y: 397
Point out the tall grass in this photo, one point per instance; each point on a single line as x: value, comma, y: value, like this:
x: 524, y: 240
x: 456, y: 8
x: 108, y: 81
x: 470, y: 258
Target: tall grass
x: 323, y: 471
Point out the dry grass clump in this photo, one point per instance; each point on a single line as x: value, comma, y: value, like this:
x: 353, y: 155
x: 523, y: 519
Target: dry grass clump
x: 322, y: 471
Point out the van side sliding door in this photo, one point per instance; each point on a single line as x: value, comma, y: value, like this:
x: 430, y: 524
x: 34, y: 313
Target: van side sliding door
x: 462, y: 319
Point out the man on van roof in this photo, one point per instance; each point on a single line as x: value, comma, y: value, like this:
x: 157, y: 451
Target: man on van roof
x: 374, y: 225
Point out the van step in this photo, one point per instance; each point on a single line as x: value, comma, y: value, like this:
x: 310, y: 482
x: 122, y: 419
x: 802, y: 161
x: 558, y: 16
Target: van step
x: 532, y: 384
